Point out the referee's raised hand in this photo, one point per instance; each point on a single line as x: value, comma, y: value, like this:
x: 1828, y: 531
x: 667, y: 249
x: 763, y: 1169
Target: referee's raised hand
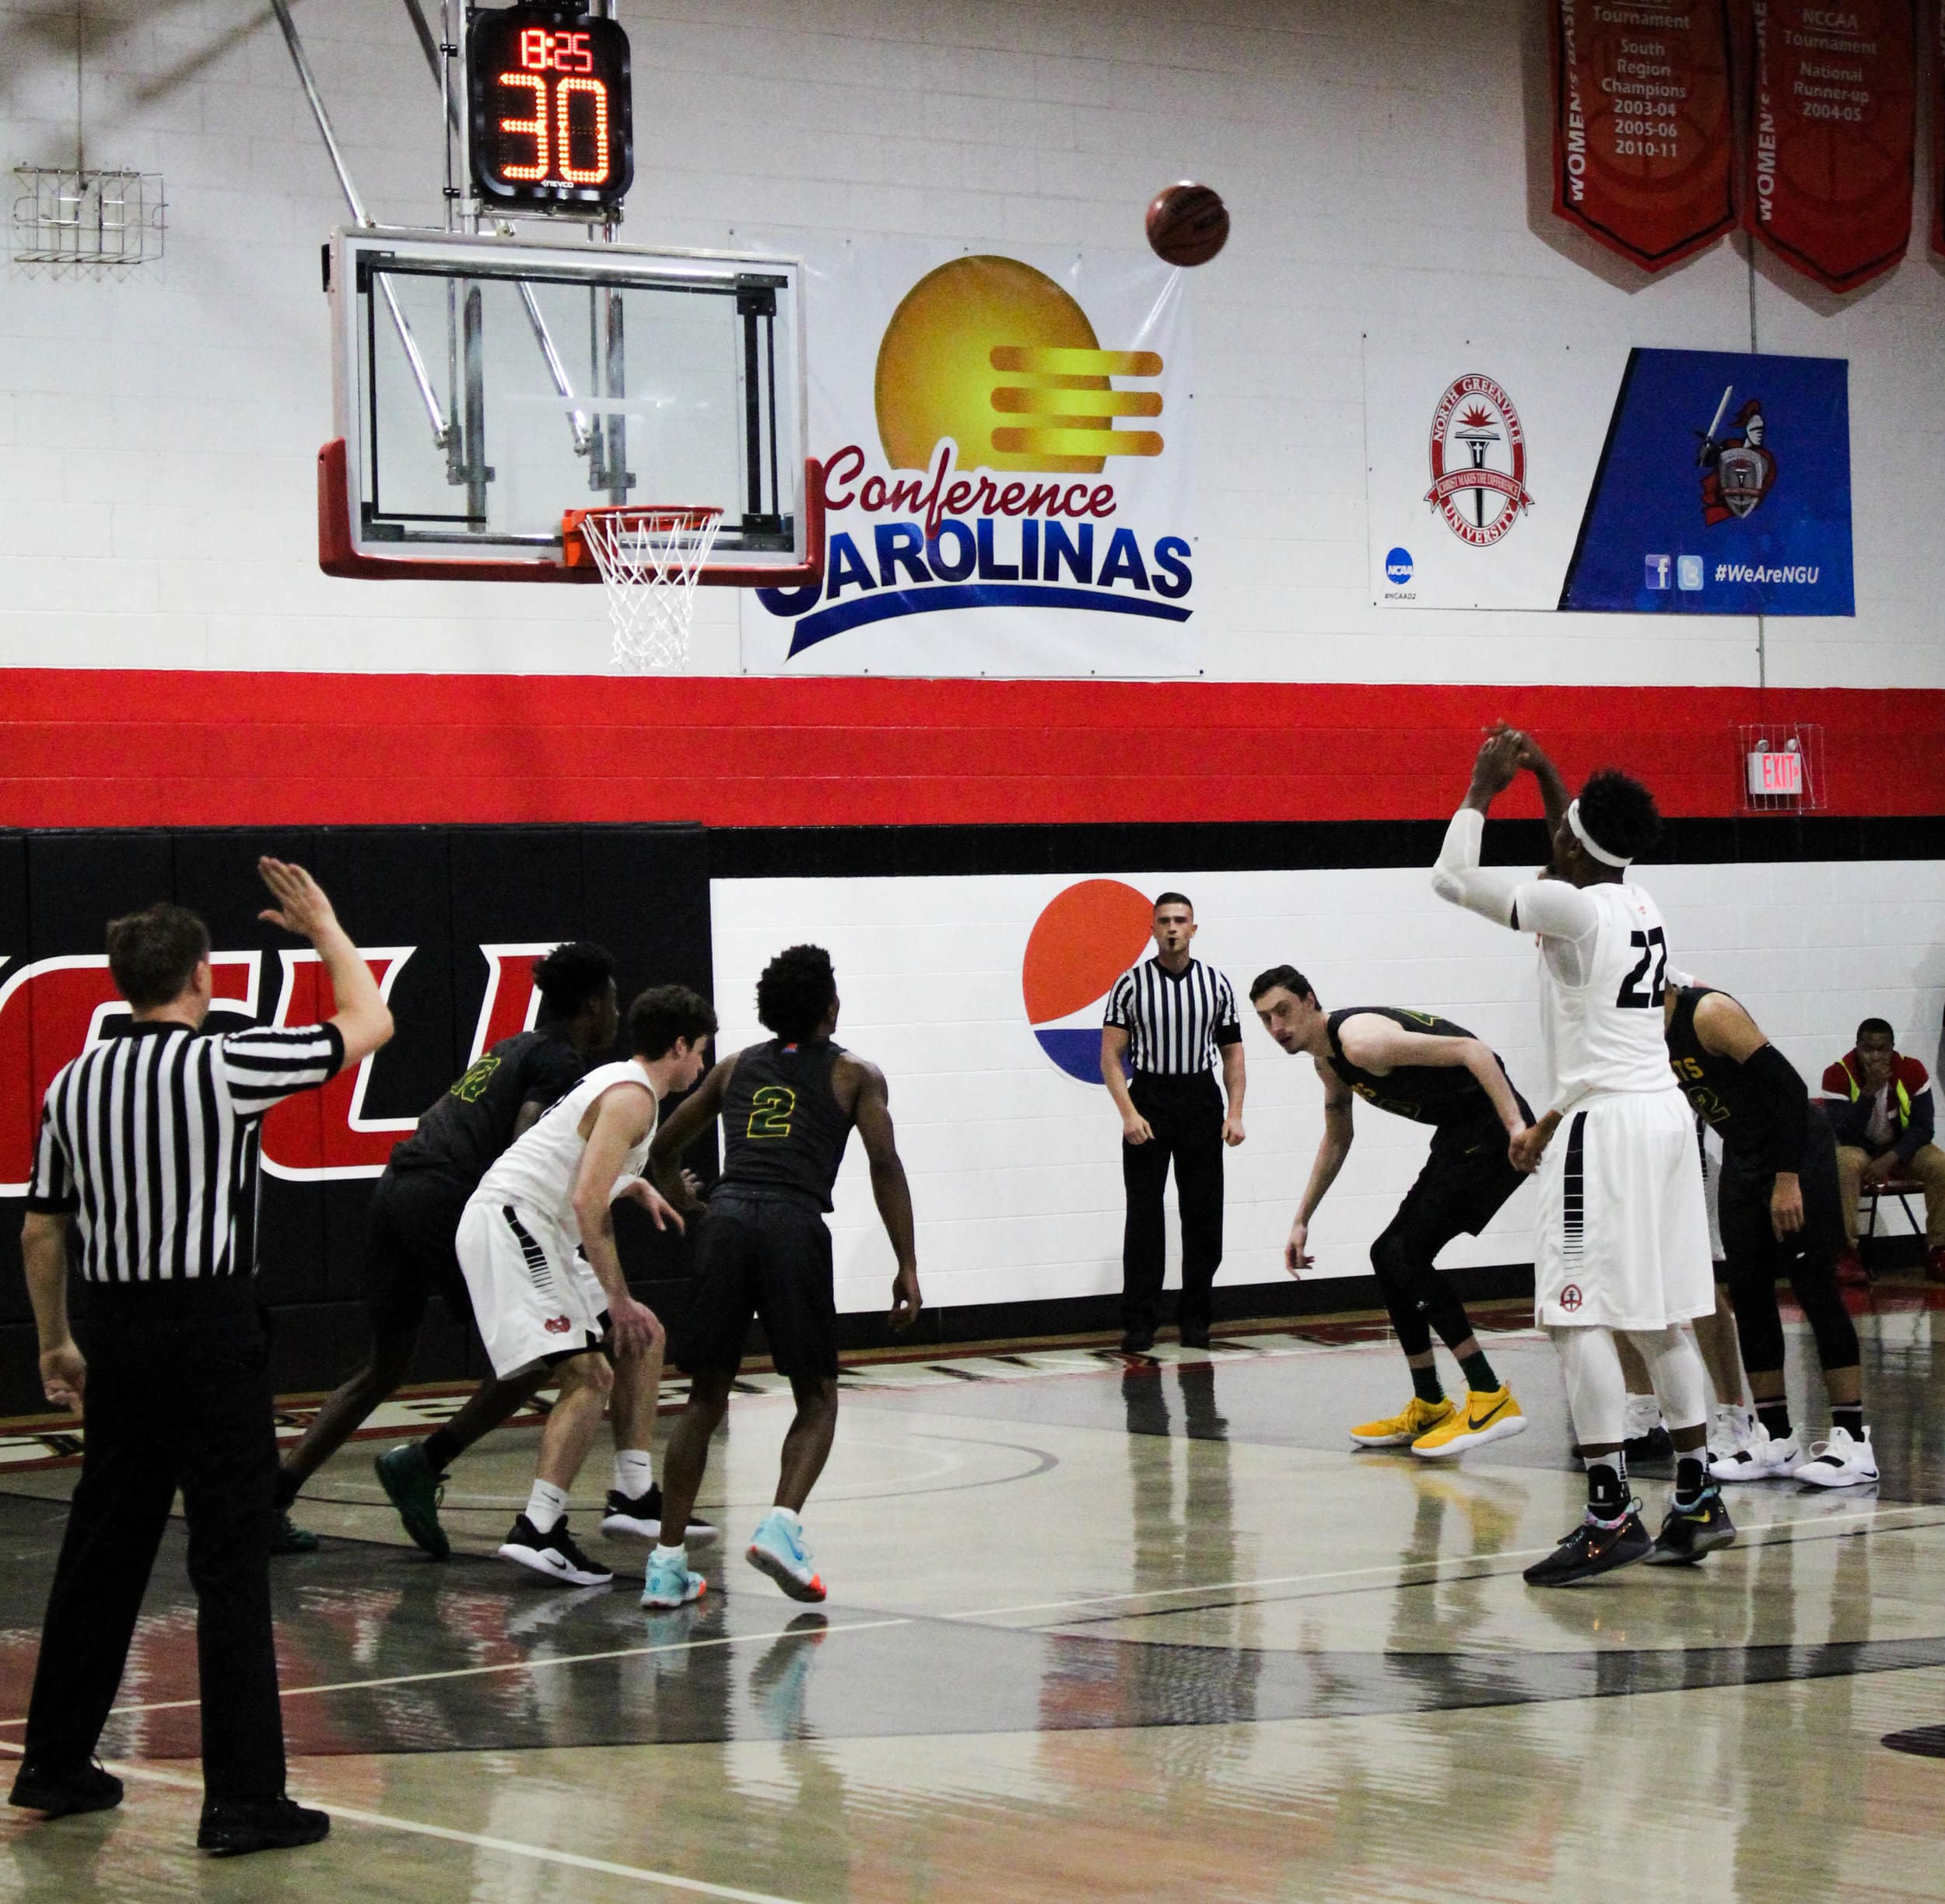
x: 363, y: 1019
x: 302, y: 907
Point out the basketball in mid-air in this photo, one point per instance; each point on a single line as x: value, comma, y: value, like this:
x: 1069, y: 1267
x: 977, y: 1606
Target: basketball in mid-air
x: 1187, y: 224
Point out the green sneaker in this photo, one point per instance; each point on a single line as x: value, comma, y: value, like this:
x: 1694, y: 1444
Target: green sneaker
x: 287, y: 1538
x: 416, y: 1491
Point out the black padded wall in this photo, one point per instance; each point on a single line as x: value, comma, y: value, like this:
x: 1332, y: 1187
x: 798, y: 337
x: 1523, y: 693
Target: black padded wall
x: 442, y: 892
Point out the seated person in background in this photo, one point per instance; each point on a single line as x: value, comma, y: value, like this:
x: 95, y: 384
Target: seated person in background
x: 1879, y: 1107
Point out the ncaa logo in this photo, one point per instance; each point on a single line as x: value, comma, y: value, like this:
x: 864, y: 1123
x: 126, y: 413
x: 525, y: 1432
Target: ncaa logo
x: 1398, y: 567
x: 1570, y: 1298
x: 1083, y: 941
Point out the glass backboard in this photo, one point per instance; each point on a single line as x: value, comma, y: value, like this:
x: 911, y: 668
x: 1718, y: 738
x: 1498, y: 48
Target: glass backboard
x: 485, y: 386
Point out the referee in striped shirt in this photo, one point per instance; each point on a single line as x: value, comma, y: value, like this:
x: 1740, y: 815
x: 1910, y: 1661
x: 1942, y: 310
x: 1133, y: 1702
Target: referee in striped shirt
x: 1172, y: 1018
x: 146, y: 1162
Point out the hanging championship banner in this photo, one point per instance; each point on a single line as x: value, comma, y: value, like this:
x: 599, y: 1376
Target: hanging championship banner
x: 1644, y: 144
x: 1831, y: 134
x: 1938, y: 127
x: 1005, y: 442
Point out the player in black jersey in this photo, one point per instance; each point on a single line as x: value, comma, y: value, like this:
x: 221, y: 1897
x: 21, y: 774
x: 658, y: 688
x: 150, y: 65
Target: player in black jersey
x: 409, y: 1230
x: 1781, y: 1214
x: 1419, y: 1066
x: 788, y: 1108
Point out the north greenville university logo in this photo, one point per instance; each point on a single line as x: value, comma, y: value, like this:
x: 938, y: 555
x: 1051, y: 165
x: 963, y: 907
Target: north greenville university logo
x: 1478, y: 462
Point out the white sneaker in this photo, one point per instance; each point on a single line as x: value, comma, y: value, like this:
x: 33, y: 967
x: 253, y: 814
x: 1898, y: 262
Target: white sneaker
x: 1729, y: 1426
x: 1840, y: 1462
x: 1760, y: 1458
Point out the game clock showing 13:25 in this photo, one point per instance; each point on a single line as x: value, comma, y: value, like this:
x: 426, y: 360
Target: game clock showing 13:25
x: 553, y: 125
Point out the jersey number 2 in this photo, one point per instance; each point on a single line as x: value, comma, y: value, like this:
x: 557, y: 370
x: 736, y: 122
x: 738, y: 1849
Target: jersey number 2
x: 771, y: 1109
x: 1654, y: 945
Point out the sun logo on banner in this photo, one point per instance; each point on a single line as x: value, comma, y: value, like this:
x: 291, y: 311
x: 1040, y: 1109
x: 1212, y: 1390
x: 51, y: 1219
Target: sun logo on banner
x: 1083, y: 941
x: 996, y: 356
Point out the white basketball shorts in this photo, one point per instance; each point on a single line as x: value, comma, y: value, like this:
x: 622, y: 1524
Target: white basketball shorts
x: 535, y: 1298
x: 1624, y: 1234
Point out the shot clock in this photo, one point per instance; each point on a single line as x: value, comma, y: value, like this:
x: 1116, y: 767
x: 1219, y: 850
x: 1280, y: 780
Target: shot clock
x: 552, y: 125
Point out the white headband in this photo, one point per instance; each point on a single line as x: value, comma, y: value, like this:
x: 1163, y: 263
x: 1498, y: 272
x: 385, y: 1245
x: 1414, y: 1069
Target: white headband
x: 1593, y: 846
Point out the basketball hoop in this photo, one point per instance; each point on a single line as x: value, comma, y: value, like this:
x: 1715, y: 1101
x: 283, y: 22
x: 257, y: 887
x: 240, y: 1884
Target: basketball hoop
x: 650, y: 556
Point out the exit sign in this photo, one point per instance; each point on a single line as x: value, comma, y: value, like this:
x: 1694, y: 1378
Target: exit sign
x: 1778, y: 773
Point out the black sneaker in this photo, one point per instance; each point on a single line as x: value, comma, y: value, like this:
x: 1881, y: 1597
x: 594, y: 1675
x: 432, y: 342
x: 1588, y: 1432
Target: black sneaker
x: 287, y: 1538
x: 416, y: 1491
x: 1138, y: 1341
x: 1655, y: 1446
x: 87, y: 1788
x: 234, y: 1828
x: 1595, y: 1547
x: 641, y: 1516
x: 1192, y: 1337
x: 1690, y: 1532
x: 554, y: 1554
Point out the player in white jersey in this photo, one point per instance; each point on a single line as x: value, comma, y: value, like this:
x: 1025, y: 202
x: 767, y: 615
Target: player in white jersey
x: 1623, y: 1247
x: 539, y: 1298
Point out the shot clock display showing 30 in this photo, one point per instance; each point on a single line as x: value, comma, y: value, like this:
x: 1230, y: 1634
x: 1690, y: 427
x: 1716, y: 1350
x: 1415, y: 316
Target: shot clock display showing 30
x: 553, y: 125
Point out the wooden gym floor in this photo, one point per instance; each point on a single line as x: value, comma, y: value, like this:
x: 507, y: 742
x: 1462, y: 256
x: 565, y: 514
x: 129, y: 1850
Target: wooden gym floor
x: 1099, y: 1627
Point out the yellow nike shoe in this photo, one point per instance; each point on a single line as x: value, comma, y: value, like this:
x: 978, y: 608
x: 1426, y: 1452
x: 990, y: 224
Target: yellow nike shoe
x: 1395, y: 1430
x: 1491, y: 1417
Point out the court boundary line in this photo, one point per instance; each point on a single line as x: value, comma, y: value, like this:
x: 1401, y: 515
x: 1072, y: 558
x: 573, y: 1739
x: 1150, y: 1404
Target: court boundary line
x: 518, y: 1666
x: 508, y: 1847
x: 1402, y: 1566
x: 976, y: 1615
x: 1747, y: 1540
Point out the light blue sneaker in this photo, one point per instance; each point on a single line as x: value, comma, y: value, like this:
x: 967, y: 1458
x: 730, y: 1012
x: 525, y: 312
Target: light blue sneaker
x: 777, y: 1548
x: 671, y: 1584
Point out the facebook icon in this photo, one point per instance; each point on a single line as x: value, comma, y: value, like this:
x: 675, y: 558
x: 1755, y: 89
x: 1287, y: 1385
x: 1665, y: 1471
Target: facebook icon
x: 1657, y: 568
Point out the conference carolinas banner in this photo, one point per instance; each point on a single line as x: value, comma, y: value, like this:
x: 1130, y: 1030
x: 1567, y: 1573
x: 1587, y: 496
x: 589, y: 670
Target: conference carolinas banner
x: 1644, y: 144
x: 1643, y: 482
x: 1006, y: 441
x: 1831, y: 135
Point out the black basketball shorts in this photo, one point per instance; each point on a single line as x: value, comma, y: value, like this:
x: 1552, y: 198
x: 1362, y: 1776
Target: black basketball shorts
x: 760, y: 1258
x: 1749, y: 1241
x: 1467, y: 1176
x: 409, y: 1229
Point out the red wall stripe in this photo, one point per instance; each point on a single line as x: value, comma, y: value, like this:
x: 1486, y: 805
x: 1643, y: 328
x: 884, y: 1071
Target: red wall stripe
x: 87, y: 748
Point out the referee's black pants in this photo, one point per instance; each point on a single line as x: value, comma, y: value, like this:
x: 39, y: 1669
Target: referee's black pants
x: 1186, y: 1115
x: 178, y: 1396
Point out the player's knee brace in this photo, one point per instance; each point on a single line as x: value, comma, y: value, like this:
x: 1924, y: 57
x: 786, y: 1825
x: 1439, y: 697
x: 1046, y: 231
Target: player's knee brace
x: 1675, y: 1367
x: 1400, y: 1285
x: 1597, y: 1390
x: 1758, y: 1327
x: 1822, y: 1303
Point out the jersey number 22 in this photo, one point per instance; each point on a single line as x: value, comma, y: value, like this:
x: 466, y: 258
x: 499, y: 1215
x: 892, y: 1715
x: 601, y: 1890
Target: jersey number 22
x: 1654, y: 946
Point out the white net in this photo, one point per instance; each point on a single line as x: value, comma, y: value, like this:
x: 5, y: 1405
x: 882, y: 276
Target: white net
x: 650, y: 559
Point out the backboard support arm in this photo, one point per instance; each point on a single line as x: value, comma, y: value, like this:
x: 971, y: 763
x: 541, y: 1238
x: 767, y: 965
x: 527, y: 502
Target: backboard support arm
x: 441, y: 429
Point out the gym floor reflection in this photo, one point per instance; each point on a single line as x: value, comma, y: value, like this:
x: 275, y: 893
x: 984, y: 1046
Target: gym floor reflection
x: 1131, y: 1628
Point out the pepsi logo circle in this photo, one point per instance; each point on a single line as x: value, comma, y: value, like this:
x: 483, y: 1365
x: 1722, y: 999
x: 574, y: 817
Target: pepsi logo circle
x: 1398, y: 567
x: 1084, y: 938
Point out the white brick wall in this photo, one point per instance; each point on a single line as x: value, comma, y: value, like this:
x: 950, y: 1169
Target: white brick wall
x: 1016, y: 1166
x: 1378, y: 160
